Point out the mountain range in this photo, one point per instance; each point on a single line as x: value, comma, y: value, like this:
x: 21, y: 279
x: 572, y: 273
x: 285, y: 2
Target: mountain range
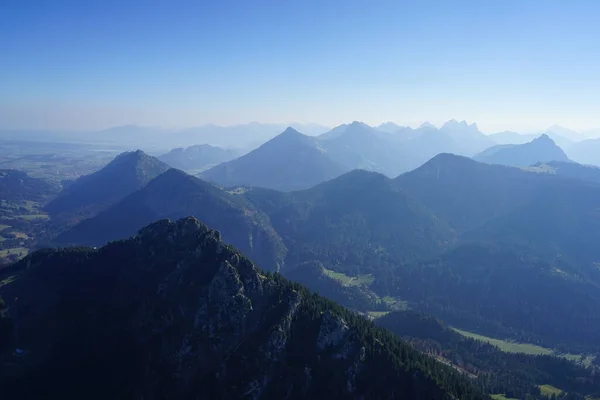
x: 293, y: 161
x: 424, y: 237
x: 242, y: 136
x: 504, y: 251
x: 176, y: 313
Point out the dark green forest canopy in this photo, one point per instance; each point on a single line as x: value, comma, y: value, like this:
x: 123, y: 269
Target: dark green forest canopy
x: 174, y: 312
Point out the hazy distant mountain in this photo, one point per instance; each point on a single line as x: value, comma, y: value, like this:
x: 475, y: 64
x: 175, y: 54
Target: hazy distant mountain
x: 541, y: 149
x: 390, y: 127
x: 290, y: 161
x: 468, y: 137
x: 592, y: 133
x: 585, y: 152
x: 417, y: 146
x: 427, y: 124
x: 198, y: 157
x: 335, y: 132
x: 360, y: 146
x: 566, y: 133
x: 245, y: 136
x: 91, y: 193
x: 310, y: 129
x: 509, y: 137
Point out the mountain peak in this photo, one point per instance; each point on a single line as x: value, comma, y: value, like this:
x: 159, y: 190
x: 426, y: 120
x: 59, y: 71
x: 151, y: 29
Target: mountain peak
x: 427, y: 124
x: 541, y: 149
x: 543, y: 138
x: 290, y: 131
x: 454, y: 124
x: 390, y: 127
x: 125, y: 174
x: 186, y: 227
x: 288, y: 134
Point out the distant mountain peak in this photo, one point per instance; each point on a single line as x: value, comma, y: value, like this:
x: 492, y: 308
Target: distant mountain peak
x: 541, y: 149
x: 543, y: 138
x: 132, y: 156
x: 566, y: 133
x: 427, y: 124
x: 125, y: 174
x: 289, y: 130
x: 453, y: 123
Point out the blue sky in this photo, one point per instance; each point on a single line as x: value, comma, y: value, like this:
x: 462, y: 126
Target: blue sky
x: 503, y: 64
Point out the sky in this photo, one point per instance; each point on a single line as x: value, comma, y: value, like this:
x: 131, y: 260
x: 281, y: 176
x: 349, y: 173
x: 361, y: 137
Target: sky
x: 81, y: 65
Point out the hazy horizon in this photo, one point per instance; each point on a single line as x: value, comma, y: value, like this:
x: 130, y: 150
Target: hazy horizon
x: 520, y: 66
x: 315, y: 128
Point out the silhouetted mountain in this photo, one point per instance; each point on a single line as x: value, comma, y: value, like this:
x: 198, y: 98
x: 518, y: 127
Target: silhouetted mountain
x: 198, y: 157
x: 290, y: 161
x: 18, y: 186
x: 541, y: 149
x: 417, y: 146
x: 175, y: 313
x: 92, y: 193
x: 586, y: 152
x: 173, y: 195
x: 390, y: 127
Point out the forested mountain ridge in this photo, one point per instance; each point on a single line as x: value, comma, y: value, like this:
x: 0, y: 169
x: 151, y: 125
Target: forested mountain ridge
x: 515, y: 375
x: 193, y: 317
x: 356, y: 223
x: 176, y: 194
x: 435, y: 239
x: 449, y: 233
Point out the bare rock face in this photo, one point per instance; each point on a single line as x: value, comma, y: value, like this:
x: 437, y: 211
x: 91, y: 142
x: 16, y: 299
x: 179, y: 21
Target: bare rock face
x: 174, y: 313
